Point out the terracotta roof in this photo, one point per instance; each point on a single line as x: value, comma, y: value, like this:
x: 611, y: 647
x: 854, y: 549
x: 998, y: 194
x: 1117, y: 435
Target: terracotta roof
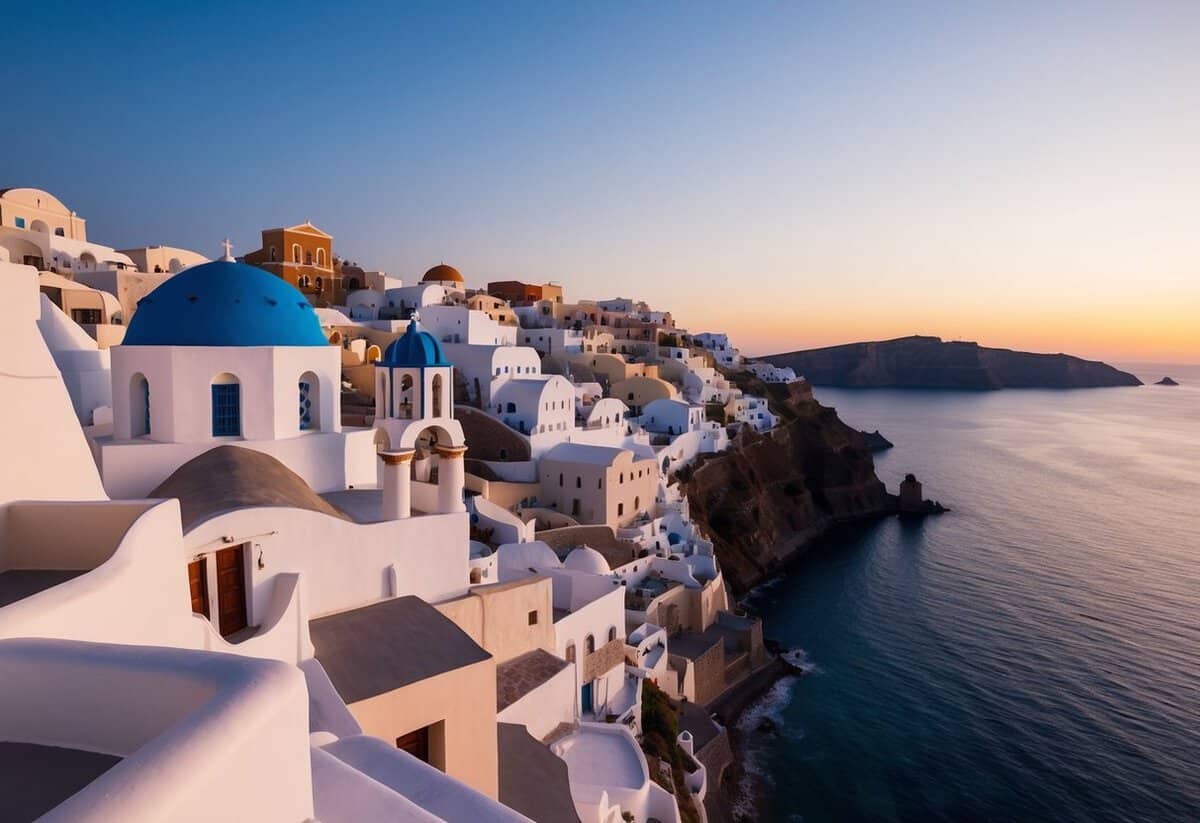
x: 442, y: 272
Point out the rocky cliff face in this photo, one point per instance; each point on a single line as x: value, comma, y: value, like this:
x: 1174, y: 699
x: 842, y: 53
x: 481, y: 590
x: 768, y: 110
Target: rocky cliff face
x: 770, y: 495
x: 930, y: 363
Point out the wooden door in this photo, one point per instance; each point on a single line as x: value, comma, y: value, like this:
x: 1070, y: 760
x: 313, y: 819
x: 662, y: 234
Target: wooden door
x: 415, y: 743
x: 198, y: 583
x: 231, y: 590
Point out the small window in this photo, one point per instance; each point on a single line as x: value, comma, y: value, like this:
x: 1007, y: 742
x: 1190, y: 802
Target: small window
x: 570, y: 654
x: 612, y: 633
x: 620, y: 509
x: 59, y: 232
x: 226, y: 410
x: 589, y: 644
x: 19, y: 222
x: 533, y: 618
x: 579, y: 482
x: 305, y: 405
x: 560, y: 480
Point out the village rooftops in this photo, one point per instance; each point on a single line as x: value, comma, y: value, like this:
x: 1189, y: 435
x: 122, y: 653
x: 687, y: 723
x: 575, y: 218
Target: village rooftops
x: 382, y: 647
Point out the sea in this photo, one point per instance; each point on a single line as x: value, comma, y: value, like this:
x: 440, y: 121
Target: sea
x: 1034, y: 655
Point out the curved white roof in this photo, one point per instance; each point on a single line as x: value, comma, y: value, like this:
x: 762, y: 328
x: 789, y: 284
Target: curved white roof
x: 35, y: 198
x: 586, y: 559
x: 584, y: 453
x: 525, y: 556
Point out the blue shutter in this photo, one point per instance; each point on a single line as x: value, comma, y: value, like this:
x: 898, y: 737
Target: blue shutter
x: 305, y: 406
x: 226, y: 410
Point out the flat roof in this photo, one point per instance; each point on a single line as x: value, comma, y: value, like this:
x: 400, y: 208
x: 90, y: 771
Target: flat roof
x: 35, y: 778
x: 388, y: 645
x: 692, y: 645
x: 533, y: 780
x: 524, y: 673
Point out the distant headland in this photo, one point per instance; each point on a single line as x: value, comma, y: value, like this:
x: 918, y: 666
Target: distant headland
x: 931, y: 363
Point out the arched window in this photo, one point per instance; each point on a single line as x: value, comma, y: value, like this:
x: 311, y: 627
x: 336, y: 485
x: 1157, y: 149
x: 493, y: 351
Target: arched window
x: 307, y: 258
x: 320, y: 284
x: 321, y: 257
x: 303, y: 281
x: 139, y: 405
x: 476, y: 576
x: 352, y: 284
x: 436, y: 386
x: 295, y: 252
x: 310, y: 402
x: 570, y: 654
x: 512, y: 408
x: 579, y: 482
x: 637, y: 504
x: 374, y: 353
x: 620, y: 510
x: 612, y: 633
x: 272, y: 255
x: 560, y: 480
x: 226, y: 406
x: 589, y: 644
x: 406, y: 386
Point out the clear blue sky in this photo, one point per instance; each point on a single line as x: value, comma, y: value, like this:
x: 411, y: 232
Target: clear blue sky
x: 798, y: 173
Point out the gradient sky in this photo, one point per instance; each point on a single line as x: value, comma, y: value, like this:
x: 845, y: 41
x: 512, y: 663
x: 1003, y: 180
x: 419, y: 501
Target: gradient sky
x: 798, y: 174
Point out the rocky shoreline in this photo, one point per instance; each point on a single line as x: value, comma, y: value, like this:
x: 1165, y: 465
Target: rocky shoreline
x: 766, y: 503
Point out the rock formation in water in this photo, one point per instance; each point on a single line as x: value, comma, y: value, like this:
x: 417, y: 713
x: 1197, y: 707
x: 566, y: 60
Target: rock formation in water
x: 1166, y: 381
x: 770, y: 495
x: 930, y: 363
x: 875, y: 441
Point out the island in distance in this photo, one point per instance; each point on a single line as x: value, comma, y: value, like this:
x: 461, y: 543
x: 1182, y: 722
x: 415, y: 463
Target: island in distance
x: 1166, y: 381
x: 930, y: 363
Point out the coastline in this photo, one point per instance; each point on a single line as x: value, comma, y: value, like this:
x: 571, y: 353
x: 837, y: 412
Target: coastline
x: 739, y: 796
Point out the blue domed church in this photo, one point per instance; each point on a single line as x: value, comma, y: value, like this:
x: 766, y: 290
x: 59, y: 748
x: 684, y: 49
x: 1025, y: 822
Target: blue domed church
x: 225, y: 353
x: 414, y: 415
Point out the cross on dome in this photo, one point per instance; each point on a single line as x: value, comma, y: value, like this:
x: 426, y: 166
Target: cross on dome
x: 228, y: 246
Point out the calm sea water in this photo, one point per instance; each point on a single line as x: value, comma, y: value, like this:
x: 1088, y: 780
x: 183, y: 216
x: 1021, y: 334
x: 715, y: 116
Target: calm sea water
x: 1035, y: 655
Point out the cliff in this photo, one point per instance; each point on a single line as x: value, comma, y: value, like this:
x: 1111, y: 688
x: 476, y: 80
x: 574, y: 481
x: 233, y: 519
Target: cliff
x: 770, y: 495
x: 931, y: 363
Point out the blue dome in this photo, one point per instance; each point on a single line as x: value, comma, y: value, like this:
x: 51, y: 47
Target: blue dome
x: 225, y: 304
x: 416, y: 348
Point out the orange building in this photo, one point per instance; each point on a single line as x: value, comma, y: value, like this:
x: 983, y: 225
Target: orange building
x: 516, y: 292
x: 303, y: 256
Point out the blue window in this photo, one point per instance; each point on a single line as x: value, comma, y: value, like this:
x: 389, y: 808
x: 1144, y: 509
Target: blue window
x: 226, y: 410
x: 305, y: 406
x: 20, y: 222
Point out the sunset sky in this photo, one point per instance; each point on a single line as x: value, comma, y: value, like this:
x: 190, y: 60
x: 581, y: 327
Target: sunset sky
x: 798, y: 174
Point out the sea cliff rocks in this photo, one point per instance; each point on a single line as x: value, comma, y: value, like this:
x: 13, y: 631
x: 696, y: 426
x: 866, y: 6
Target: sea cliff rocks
x: 770, y: 494
x: 1166, y: 381
x: 931, y: 363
